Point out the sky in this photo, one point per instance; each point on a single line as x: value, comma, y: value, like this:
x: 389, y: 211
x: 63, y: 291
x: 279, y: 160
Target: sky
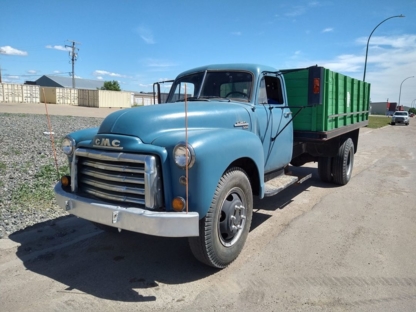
x: 139, y: 42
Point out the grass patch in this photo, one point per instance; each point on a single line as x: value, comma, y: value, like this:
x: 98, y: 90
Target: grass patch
x: 16, y: 151
x: 39, y: 193
x: 2, y: 167
x: 375, y: 122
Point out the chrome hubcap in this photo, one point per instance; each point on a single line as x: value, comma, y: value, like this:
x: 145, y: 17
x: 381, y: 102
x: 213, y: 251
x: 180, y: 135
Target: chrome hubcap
x: 232, y: 218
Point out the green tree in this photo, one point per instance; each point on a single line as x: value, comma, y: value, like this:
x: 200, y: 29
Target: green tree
x: 111, y: 85
x: 412, y: 110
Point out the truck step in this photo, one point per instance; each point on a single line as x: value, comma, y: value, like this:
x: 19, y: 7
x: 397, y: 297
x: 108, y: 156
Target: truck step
x: 278, y: 184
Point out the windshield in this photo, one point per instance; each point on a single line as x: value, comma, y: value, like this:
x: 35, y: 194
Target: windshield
x: 400, y: 113
x: 229, y: 85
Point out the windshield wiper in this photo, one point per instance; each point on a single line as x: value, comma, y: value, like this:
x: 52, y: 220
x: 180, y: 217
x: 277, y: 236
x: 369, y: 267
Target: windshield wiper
x: 192, y: 98
x: 210, y: 97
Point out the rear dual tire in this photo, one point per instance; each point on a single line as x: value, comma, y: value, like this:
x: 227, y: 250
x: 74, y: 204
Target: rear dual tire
x: 338, y: 169
x: 325, y: 169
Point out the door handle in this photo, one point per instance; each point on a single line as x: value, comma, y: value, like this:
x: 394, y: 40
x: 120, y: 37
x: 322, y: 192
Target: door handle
x: 287, y: 114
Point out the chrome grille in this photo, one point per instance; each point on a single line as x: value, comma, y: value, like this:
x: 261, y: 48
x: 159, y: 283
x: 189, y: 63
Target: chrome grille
x: 122, y: 178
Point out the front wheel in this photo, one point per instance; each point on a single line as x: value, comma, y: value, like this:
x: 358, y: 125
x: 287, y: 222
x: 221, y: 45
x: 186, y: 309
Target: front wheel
x: 224, y: 229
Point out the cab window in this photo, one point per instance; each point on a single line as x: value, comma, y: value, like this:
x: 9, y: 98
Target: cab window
x: 270, y: 91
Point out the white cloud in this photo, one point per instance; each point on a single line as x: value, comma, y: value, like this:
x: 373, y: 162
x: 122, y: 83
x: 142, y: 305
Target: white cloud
x: 158, y: 65
x: 346, y: 63
x: 8, y: 50
x: 100, y: 73
x: 58, y: 47
x: 145, y: 85
x: 390, y: 60
x: 31, y: 71
x: 296, y: 11
x: 329, y: 29
x: 99, y: 78
x: 13, y: 77
x: 146, y: 35
x: 404, y: 41
x: 314, y: 3
x: 296, y: 54
x: 301, y: 9
x: 236, y: 33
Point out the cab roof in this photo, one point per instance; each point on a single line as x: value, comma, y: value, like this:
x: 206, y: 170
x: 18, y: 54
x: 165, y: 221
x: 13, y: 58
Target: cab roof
x: 256, y: 69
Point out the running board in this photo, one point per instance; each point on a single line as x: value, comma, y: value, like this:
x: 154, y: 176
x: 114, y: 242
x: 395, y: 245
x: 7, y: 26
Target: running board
x: 278, y: 184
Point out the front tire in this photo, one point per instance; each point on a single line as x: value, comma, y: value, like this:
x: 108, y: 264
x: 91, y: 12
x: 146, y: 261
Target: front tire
x: 224, y: 229
x: 343, y: 163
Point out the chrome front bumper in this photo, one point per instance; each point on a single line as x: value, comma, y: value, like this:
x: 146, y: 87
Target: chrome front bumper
x: 168, y: 224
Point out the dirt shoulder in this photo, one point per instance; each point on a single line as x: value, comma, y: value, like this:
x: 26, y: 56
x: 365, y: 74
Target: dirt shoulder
x: 55, y: 109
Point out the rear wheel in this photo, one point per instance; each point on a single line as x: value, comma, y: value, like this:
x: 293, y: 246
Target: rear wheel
x: 325, y: 169
x: 343, y: 163
x: 224, y: 229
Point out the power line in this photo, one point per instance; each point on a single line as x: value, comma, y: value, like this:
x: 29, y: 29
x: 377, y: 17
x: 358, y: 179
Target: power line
x: 74, y: 57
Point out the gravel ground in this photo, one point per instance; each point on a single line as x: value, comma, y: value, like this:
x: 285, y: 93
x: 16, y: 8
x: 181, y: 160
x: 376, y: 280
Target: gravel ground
x: 27, y: 167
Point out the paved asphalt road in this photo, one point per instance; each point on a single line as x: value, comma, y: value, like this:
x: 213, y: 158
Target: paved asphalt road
x: 313, y: 247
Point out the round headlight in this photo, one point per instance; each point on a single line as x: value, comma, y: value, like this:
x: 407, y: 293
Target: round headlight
x: 181, y: 153
x: 68, y: 146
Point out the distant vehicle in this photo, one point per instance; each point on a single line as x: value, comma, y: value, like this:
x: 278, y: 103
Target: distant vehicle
x: 411, y: 114
x: 400, y: 117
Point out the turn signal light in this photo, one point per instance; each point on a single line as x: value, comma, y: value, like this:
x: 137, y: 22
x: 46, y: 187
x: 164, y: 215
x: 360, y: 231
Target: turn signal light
x: 178, y: 204
x: 316, y: 85
x: 66, y: 181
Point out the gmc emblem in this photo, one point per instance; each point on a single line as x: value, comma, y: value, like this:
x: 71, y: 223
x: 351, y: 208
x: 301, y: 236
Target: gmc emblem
x: 107, y: 143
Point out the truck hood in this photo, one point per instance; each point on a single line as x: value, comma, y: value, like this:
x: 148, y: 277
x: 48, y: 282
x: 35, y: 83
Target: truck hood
x: 149, y: 122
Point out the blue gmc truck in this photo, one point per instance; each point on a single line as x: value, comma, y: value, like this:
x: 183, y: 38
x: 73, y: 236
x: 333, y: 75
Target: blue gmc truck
x: 189, y: 167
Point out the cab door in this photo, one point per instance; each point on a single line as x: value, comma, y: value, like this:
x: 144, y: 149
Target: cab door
x: 274, y: 125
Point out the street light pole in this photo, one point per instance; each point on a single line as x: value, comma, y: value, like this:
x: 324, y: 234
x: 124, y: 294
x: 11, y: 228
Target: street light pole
x: 368, y: 41
x: 400, y: 93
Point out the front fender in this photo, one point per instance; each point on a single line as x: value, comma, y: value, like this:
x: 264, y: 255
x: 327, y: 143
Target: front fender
x: 81, y: 136
x: 84, y: 134
x: 215, y: 150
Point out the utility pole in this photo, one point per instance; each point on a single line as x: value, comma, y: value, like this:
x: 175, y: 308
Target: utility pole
x: 74, y: 56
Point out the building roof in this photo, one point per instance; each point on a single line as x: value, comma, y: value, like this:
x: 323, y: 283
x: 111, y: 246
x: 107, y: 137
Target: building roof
x: 66, y: 82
